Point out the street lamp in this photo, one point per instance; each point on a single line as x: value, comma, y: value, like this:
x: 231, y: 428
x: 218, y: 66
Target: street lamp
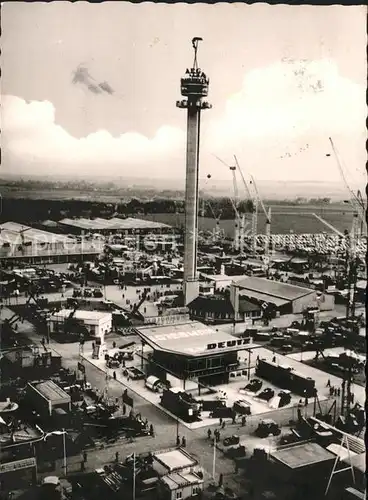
x: 59, y: 433
x: 214, y: 459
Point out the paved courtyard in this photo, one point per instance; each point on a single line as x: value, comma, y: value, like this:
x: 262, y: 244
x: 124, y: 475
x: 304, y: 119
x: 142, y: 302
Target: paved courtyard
x: 234, y: 389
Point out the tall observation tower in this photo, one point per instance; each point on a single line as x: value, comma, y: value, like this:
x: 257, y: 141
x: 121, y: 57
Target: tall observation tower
x: 194, y: 86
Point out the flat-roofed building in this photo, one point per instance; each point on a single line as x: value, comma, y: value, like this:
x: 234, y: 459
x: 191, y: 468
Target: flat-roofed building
x: 173, y: 460
x: 127, y: 226
x: 20, y: 242
x: 283, y: 297
x: 191, y: 353
x: 96, y: 322
x: 47, y: 397
x: 180, y: 485
x: 296, y: 464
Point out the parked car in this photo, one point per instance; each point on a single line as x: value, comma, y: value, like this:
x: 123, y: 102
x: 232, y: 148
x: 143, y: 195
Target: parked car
x: 77, y: 292
x: 285, y: 398
x: 243, y: 407
x: 254, y: 385
x: 267, y: 427
x: 134, y: 373
x: 266, y: 394
x: 286, y: 348
x: 231, y: 440
x: 87, y: 292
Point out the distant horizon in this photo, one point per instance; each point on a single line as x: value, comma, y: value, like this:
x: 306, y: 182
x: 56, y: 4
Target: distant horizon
x: 93, y: 176
x: 269, y: 189
x: 93, y: 88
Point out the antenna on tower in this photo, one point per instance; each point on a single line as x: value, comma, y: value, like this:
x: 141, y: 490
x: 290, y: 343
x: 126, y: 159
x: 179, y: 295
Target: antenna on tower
x: 195, y: 41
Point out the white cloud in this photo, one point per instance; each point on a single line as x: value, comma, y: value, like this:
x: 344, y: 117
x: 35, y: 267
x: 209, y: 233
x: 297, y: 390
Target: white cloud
x: 30, y: 132
x: 280, y: 121
x: 278, y: 112
x: 293, y: 98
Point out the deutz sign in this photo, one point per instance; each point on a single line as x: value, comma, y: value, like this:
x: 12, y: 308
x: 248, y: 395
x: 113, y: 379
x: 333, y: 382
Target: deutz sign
x: 229, y: 343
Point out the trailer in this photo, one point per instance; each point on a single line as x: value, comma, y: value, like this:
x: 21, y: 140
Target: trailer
x: 286, y: 377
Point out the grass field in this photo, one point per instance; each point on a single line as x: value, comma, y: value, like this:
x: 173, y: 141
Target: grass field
x: 284, y: 219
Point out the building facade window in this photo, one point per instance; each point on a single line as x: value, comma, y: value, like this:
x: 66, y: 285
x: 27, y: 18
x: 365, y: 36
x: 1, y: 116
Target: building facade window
x: 179, y: 495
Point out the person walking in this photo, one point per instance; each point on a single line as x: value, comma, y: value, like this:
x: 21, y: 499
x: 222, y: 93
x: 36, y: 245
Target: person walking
x: 328, y: 383
x: 178, y: 441
x: 221, y: 480
x: 117, y: 457
x: 152, y: 431
x: 209, y: 434
x: 114, y: 375
x: 220, y: 421
x: 183, y: 442
x: 85, y: 457
x: 223, y: 425
x: 243, y: 421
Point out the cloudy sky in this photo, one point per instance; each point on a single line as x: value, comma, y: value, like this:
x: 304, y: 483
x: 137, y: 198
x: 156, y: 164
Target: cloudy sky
x: 91, y: 89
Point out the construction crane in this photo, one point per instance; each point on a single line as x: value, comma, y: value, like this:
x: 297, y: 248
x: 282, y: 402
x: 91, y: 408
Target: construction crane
x: 258, y: 200
x: 239, y: 221
x: 217, y: 230
x: 356, y: 200
x: 351, y: 261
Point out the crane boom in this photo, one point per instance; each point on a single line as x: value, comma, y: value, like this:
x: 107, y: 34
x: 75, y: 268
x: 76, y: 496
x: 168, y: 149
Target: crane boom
x: 259, y: 198
x: 235, y: 186
x: 330, y: 226
x: 355, y: 199
x: 243, y: 178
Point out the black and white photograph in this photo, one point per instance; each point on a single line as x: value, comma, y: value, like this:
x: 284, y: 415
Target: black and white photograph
x: 183, y: 245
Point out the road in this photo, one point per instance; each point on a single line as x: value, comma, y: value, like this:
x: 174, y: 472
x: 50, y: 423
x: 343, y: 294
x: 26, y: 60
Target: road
x: 122, y: 297
x: 165, y: 427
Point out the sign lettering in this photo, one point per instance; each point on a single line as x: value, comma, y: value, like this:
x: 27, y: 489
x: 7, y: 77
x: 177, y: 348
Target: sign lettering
x: 17, y: 465
x: 229, y: 343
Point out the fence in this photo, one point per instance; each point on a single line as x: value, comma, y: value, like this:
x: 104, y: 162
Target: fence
x: 283, y: 416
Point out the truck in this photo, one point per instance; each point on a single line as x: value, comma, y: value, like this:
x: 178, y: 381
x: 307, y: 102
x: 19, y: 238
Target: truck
x: 181, y: 404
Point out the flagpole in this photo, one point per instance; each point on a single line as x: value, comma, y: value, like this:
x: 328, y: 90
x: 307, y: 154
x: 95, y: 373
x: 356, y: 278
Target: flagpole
x: 214, y: 459
x: 64, y: 446
x: 134, y: 476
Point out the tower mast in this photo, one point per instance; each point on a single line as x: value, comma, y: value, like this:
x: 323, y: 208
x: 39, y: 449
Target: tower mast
x: 194, y: 86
